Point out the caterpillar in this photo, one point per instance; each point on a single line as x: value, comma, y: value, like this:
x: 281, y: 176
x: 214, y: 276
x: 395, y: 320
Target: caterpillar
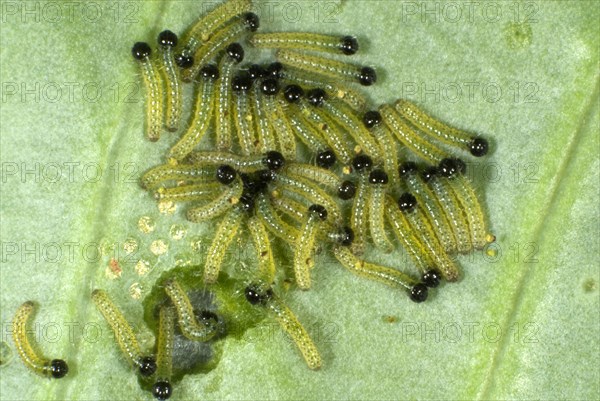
x: 162, y: 389
x: 305, y: 41
x: 333, y: 69
x: 167, y: 40
x: 124, y: 334
x: 54, y: 368
x: 141, y: 51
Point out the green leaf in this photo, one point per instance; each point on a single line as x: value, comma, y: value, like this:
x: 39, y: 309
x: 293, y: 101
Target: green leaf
x: 523, y: 324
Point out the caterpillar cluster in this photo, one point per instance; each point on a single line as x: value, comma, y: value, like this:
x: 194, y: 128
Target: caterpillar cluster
x: 290, y: 154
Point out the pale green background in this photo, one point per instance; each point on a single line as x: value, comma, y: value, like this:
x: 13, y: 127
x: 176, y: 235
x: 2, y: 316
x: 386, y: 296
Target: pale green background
x: 534, y: 317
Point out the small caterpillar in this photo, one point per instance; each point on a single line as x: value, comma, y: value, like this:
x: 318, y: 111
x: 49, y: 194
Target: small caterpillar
x: 202, y: 114
x: 334, y: 69
x: 226, y: 232
x: 167, y: 40
x: 264, y: 129
x: 154, y: 96
x: 188, y: 193
x: 378, y: 180
x: 55, y: 368
x: 304, y: 259
x: 360, y: 207
x: 257, y: 295
x: 244, y: 164
x: 386, y: 275
x: 264, y: 253
x: 476, y: 145
x: 326, y: 178
x: 244, y: 124
x: 124, y: 334
x: 347, y: 45
x: 223, y: 106
x: 162, y: 389
x: 277, y: 117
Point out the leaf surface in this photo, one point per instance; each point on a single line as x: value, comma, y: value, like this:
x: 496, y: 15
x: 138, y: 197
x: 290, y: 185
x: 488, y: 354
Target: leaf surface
x: 523, y: 324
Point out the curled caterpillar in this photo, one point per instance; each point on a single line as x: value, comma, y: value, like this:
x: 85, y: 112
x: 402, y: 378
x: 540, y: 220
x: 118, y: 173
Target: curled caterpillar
x: 51, y: 368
